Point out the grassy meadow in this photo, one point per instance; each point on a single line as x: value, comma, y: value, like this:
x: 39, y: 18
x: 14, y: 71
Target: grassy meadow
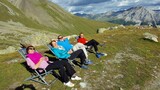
x: 132, y: 64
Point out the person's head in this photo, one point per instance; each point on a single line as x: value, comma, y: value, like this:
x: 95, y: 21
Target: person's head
x: 30, y: 49
x: 53, y: 43
x: 81, y: 35
x: 60, y: 37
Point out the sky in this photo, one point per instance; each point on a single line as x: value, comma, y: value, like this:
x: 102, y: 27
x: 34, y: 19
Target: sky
x: 102, y: 6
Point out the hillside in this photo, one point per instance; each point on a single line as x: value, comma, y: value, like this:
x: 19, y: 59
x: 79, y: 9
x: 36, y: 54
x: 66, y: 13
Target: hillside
x: 21, y: 18
x: 132, y: 64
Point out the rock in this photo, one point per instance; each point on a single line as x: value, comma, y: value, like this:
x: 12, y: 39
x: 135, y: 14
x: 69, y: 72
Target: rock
x: 10, y: 49
x: 101, y: 30
x: 13, y: 60
x: 119, y: 76
x: 122, y: 26
x: 83, y: 84
x: 120, y: 88
x: 150, y: 36
x: 37, y: 39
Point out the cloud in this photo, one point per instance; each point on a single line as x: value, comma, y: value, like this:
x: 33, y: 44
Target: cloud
x: 123, y: 3
x: 86, y: 2
x: 136, y: 1
x: 101, y: 6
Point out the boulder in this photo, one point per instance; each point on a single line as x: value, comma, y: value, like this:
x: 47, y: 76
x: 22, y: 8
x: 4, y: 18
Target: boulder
x: 37, y: 39
x: 10, y: 49
x: 122, y: 26
x: 101, y: 30
x: 150, y: 36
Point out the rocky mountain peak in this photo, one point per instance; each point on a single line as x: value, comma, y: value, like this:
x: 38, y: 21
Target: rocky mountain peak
x: 135, y: 15
x: 138, y: 15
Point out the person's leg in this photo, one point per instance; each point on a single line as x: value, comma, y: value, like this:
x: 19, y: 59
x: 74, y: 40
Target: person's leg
x: 82, y: 57
x: 80, y: 46
x: 75, y: 47
x: 93, y: 43
x: 75, y: 54
x: 69, y: 69
x: 95, y: 47
x: 60, y: 67
x: 97, y: 43
x: 79, y: 54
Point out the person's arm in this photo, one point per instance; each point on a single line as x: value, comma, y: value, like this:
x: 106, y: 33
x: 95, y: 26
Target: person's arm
x: 68, y: 37
x: 30, y: 63
x: 70, y: 51
x: 46, y: 58
x: 38, y: 64
x: 85, y: 40
x: 60, y: 53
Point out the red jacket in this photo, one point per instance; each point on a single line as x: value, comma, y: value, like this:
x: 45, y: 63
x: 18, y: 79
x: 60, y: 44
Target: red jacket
x: 82, y: 40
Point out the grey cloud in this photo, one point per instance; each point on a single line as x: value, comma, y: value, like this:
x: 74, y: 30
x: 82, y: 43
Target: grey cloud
x: 86, y: 2
x: 100, y: 6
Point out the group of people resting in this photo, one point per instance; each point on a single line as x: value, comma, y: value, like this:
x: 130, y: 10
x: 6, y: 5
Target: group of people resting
x: 63, y: 49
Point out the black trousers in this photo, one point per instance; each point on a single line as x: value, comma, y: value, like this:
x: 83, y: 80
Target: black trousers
x: 66, y: 71
x: 93, y: 43
x: 78, y: 54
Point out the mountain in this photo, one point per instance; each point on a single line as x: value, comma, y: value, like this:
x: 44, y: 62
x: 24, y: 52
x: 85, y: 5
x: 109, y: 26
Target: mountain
x: 21, y: 18
x: 135, y: 15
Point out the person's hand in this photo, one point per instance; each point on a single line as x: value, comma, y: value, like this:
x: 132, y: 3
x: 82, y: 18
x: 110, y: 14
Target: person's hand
x: 70, y: 51
x: 42, y: 58
x: 45, y: 58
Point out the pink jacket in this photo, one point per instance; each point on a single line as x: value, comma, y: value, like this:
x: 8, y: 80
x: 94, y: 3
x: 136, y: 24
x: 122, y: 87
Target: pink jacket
x: 43, y: 64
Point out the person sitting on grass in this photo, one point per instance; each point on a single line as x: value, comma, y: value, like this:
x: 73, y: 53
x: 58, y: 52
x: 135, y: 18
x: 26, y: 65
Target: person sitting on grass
x: 91, y: 43
x: 61, y: 53
x: 64, y: 41
x: 36, y: 60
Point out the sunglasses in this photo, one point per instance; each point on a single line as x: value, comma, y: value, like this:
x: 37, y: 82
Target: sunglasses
x: 31, y: 48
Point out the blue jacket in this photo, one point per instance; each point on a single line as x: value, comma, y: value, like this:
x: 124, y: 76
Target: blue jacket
x: 66, y: 44
x: 60, y: 53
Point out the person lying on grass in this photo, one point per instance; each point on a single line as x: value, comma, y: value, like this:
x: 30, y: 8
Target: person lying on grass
x: 64, y: 41
x: 61, y: 53
x: 91, y: 43
x: 36, y: 60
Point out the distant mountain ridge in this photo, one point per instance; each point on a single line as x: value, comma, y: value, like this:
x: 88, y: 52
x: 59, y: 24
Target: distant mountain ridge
x: 135, y: 15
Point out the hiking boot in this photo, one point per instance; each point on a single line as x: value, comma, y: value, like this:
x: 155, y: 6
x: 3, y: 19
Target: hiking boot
x: 76, y: 78
x: 84, y: 67
x: 69, y: 84
x: 104, y: 54
x: 88, y: 62
x: 98, y: 55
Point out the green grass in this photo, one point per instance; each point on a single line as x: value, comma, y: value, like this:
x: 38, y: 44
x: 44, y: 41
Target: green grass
x: 127, y: 42
x: 144, y: 48
x: 134, y: 71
